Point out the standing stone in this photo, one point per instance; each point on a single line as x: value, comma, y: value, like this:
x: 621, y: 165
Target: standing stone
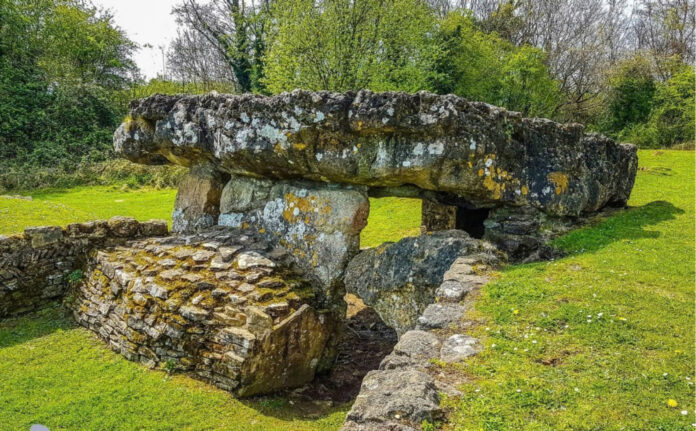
x: 197, y: 204
x: 435, y: 216
x: 318, y: 224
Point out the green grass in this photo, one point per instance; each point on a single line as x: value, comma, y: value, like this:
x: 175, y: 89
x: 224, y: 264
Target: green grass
x: 545, y: 367
x: 61, y: 376
x: 390, y: 218
x: 60, y: 207
x: 601, y: 339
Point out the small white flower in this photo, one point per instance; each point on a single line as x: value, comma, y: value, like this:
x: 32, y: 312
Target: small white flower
x: 576, y: 389
x: 664, y: 375
x: 684, y: 412
x: 533, y: 341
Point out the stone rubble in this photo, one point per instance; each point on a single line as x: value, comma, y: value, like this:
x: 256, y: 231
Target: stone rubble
x: 400, y: 280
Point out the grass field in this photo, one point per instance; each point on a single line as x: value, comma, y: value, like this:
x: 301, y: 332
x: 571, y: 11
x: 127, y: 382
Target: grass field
x: 390, y: 219
x: 602, y: 339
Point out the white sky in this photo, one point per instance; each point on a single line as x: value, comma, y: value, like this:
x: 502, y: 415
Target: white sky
x: 145, y: 22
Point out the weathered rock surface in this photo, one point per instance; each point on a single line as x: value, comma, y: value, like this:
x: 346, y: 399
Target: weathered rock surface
x: 412, y: 357
x: 394, y: 400
x: 197, y: 204
x: 458, y: 347
x: 318, y: 224
x: 483, y: 155
x: 223, y: 304
x: 399, y: 280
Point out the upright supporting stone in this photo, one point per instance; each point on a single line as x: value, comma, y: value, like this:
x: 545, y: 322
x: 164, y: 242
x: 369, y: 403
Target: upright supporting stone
x: 197, y: 204
x: 318, y: 223
x: 435, y: 216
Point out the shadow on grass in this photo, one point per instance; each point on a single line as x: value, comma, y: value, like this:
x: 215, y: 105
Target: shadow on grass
x: 625, y: 225
x: 17, y: 330
x: 279, y: 407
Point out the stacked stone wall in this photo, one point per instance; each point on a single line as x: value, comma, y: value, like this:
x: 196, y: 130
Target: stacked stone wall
x: 35, y: 265
x: 409, y: 385
x: 225, y: 305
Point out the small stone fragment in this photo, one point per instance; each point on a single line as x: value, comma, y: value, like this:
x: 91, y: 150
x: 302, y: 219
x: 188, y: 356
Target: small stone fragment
x: 193, y: 313
x: 441, y: 316
x: 202, y: 256
x: 227, y: 253
x: 453, y: 291
x: 252, y: 259
x: 458, y: 347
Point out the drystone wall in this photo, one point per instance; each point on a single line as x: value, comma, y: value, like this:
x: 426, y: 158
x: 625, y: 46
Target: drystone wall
x: 407, y: 388
x: 35, y: 264
x: 225, y: 305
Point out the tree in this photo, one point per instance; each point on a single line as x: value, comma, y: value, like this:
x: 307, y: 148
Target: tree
x: 344, y: 45
x: 486, y: 67
x: 665, y: 30
x: 632, y: 88
x: 62, y: 66
x: 234, y: 30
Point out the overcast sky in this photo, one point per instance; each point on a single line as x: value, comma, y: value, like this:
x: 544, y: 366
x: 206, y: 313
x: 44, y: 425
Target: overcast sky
x: 145, y: 22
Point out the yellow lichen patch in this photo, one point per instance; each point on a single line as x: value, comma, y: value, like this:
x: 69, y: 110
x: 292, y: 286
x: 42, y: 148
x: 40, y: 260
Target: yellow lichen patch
x: 480, y: 172
x: 525, y: 190
x: 360, y: 123
x: 299, y: 146
x: 559, y: 180
x: 493, y: 186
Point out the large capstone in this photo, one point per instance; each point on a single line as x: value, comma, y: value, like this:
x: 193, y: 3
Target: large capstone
x: 399, y: 280
x: 482, y: 155
x: 224, y: 305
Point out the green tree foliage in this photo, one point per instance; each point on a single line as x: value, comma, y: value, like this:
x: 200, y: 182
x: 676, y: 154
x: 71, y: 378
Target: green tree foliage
x: 62, y: 64
x: 646, y: 111
x: 632, y: 88
x: 344, y: 45
x: 483, y: 66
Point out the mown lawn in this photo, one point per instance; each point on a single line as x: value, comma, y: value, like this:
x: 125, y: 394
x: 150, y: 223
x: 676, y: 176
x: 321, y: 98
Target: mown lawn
x: 604, y: 338
x: 60, y: 207
x: 390, y: 219
x: 600, y: 340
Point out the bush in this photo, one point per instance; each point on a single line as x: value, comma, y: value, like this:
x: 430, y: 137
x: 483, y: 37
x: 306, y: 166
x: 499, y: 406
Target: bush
x: 118, y: 171
x: 648, y: 113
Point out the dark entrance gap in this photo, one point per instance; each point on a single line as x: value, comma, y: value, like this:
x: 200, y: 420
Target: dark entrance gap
x: 471, y: 221
x: 365, y: 341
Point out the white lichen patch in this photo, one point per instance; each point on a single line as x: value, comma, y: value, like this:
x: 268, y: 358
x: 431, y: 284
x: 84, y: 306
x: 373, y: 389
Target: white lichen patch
x: 436, y: 148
